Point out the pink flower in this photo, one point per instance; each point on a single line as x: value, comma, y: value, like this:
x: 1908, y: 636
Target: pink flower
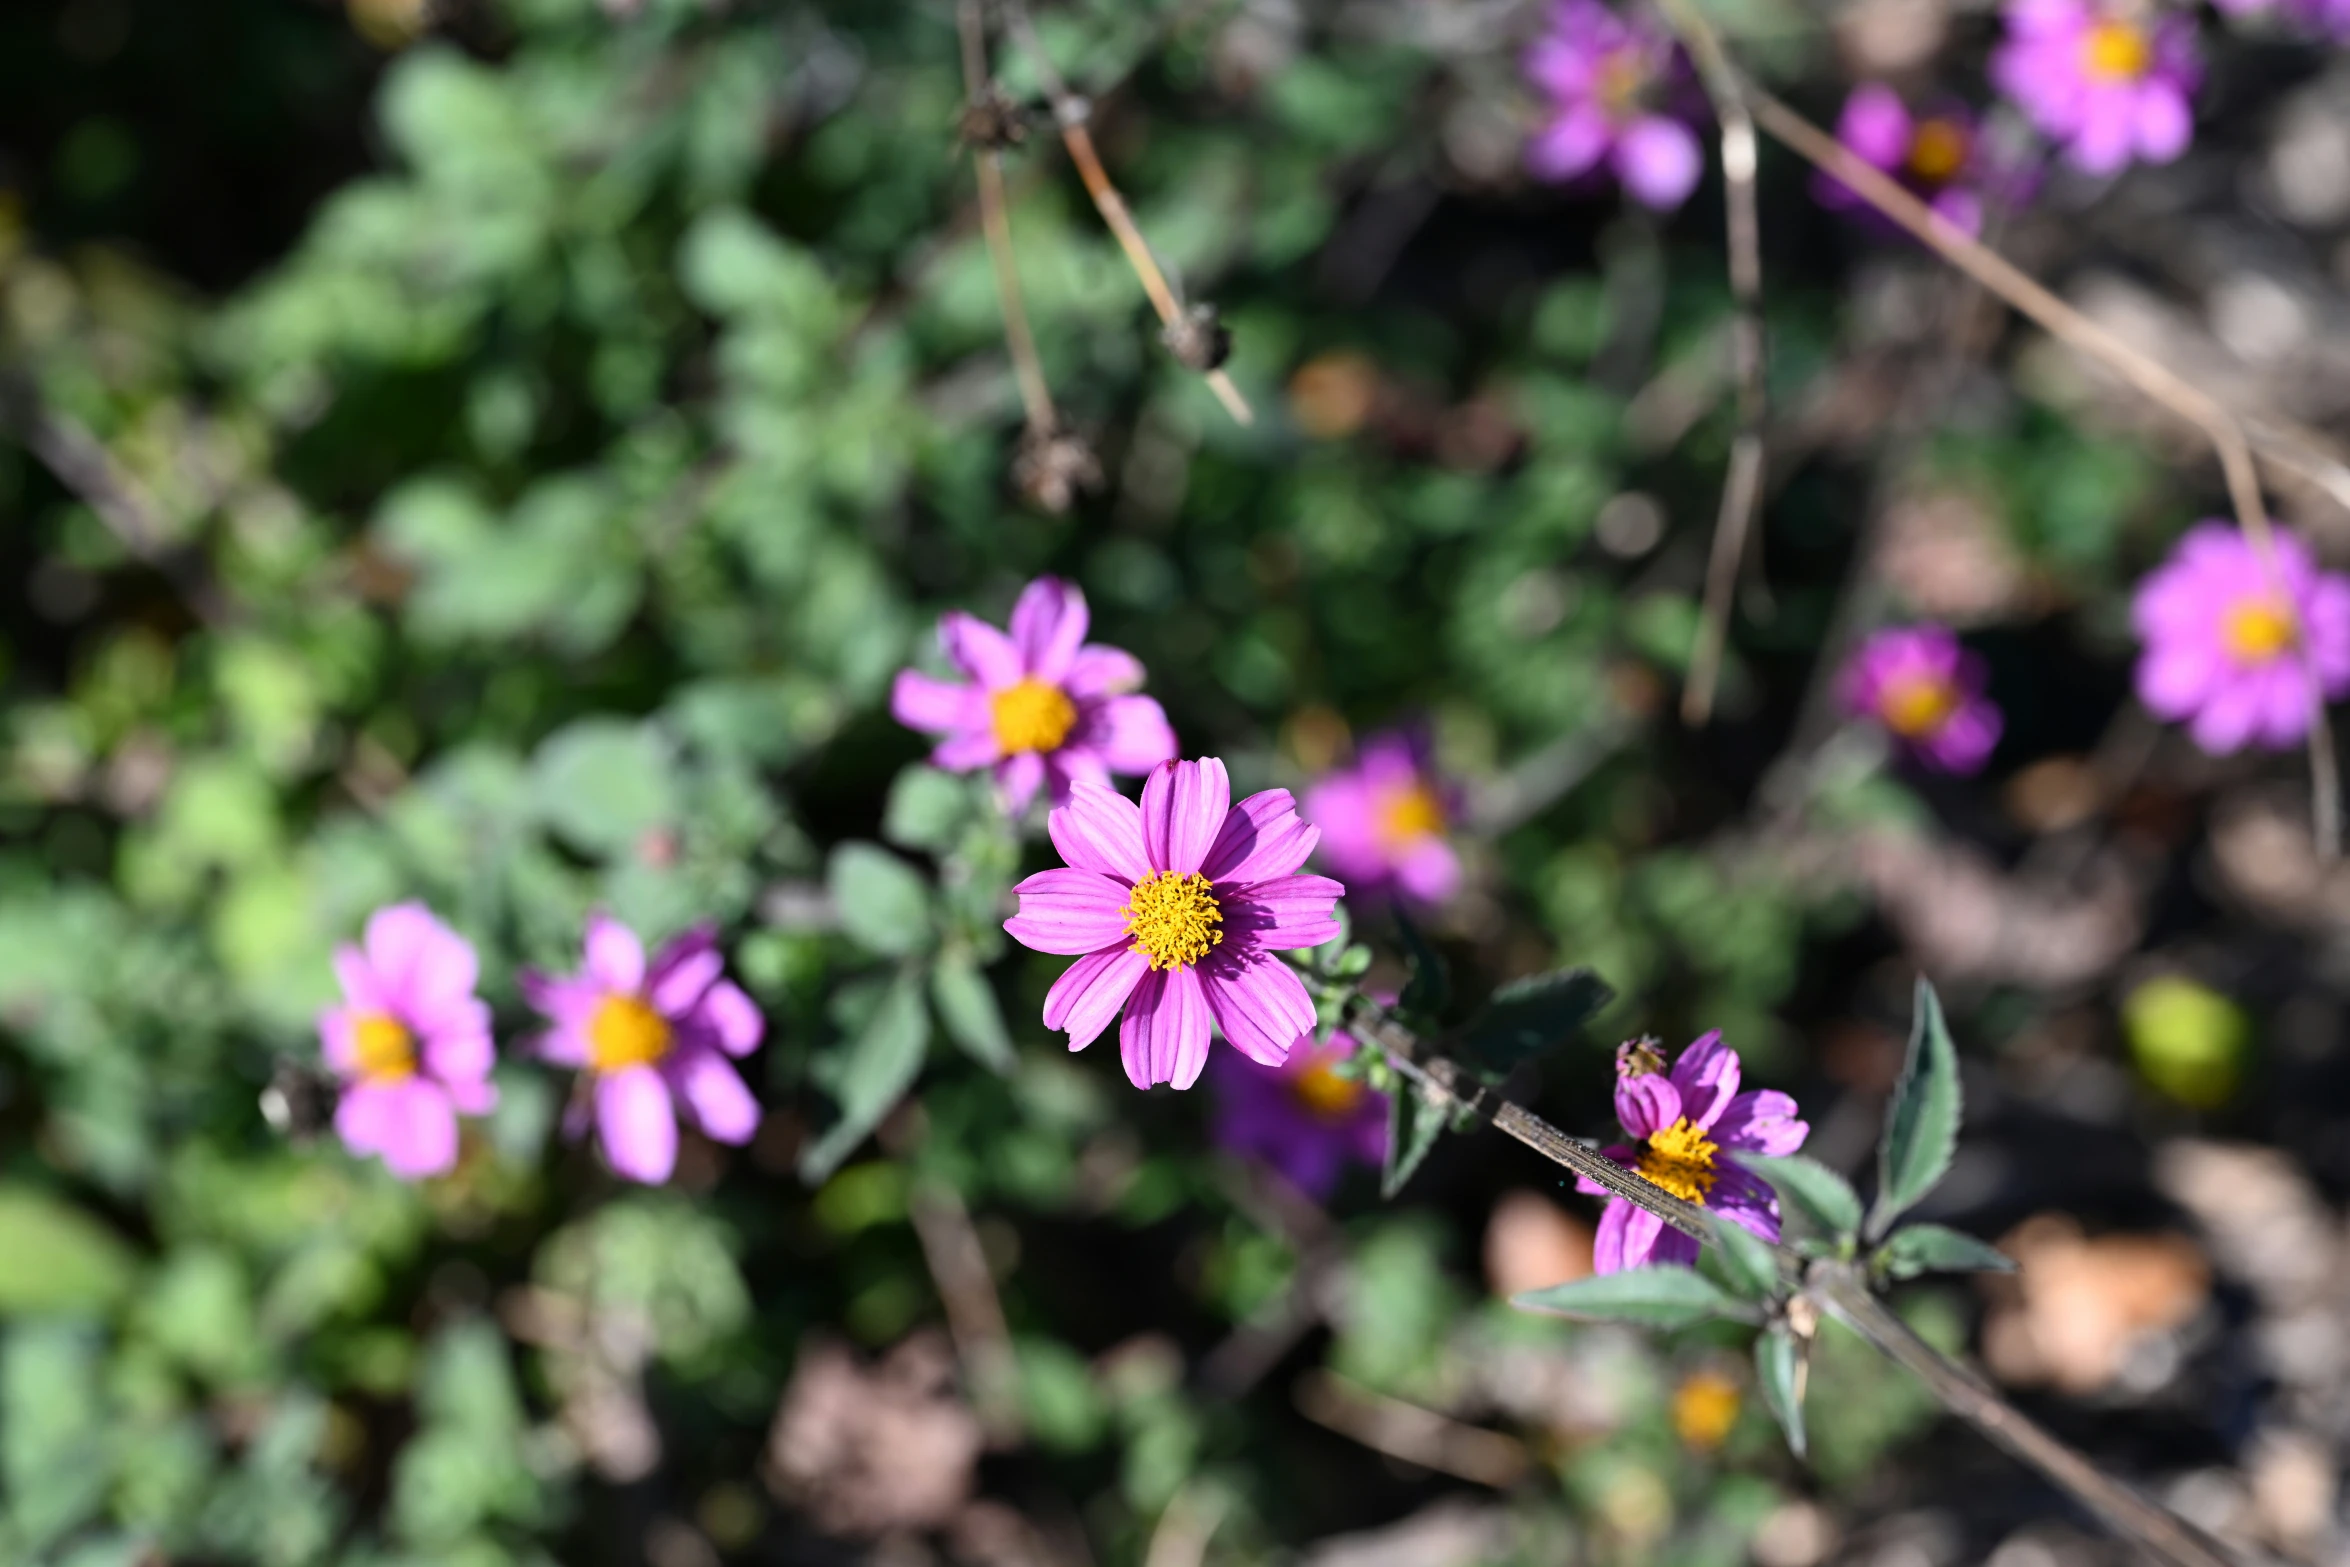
x: 1044, y: 705
x: 2111, y: 83
x: 1605, y: 78
x: 410, y: 1041
x: 1300, y: 1117
x: 2219, y: 642
x: 1178, y: 908
x: 1383, y: 821
x: 1937, y: 157
x: 1927, y: 691
x: 1681, y: 1125
x: 649, y: 1037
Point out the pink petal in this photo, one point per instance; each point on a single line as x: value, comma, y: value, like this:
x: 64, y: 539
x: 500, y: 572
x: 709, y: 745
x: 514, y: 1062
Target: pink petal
x: 1089, y: 993
x: 1070, y: 766
x: 1429, y: 870
x: 2227, y: 720
x: 1659, y: 162
x: 1017, y: 778
x: 677, y: 984
x: 1626, y: 1237
x: 1284, y: 913
x: 1672, y: 1246
x: 334, y: 1039
x: 1571, y: 144
x: 722, y: 1107
x: 967, y: 752
x: 1707, y: 1078
x: 1262, y: 837
x: 937, y: 706
x: 1183, y: 806
x: 410, y: 1124
x: 1646, y: 1104
x: 1069, y: 911
x: 1131, y: 734
x: 1100, y: 830
x: 638, y: 1123
x: 1048, y: 625
x: 615, y: 957
x: 461, y: 1056
x: 2177, y: 677
x: 1164, y: 1038
x: 979, y: 650
x: 362, y: 987
x: 732, y: 1018
x: 1761, y: 1120
x: 1876, y: 125
x: 1260, y: 1004
x: 1099, y: 671
x: 2163, y: 122
x: 426, y: 969
x: 1623, y: 1153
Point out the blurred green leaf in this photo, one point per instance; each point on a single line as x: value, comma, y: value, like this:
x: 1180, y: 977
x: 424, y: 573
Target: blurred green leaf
x: 1779, y: 1372
x: 1748, y: 1263
x: 884, y: 903
x: 967, y: 1006
x: 927, y: 809
x: 1816, y: 1201
x: 1921, y: 1124
x: 1529, y: 1016
x: 1932, y: 1248
x: 1657, y: 1296
x: 602, y: 784
x: 60, y: 1261
x: 1413, y: 1125
x: 881, y: 1065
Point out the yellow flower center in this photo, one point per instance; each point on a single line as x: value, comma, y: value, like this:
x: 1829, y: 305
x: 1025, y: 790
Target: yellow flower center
x: 626, y: 1032
x: 2256, y: 631
x: 1705, y: 1407
x: 1408, y: 815
x: 1032, y: 716
x: 1937, y: 150
x: 1681, y: 1160
x: 1173, y: 919
x: 383, y: 1049
x: 1914, y: 705
x: 2117, y: 52
x: 1325, y: 1093
x: 1622, y: 79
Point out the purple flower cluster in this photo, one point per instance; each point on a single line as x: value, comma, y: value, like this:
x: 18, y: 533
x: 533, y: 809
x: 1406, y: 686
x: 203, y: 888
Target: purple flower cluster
x: 1300, y: 1117
x: 2228, y: 653
x: 1937, y: 156
x: 2112, y: 83
x: 1613, y: 89
x: 1383, y: 821
x: 1927, y: 692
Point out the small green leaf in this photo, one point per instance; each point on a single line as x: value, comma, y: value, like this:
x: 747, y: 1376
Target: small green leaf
x: 1413, y: 1125
x: 926, y: 810
x: 1815, y: 1200
x: 1324, y: 959
x: 1748, y: 1264
x: 967, y: 1006
x: 1529, y: 1016
x: 1933, y: 1248
x: 884, y: 904
x: 60, y: 1260
x: 1921, y: 1127
x: 1659, y: 1296
x: 603, y: 783
x: 1428, y: 991
x: 882, y: 1064
x: 1779, y: 1371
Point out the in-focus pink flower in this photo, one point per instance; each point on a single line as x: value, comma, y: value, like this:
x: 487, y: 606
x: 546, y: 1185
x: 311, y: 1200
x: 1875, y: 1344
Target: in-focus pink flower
x: 1927, y: 691
x: 1383, y: 821
x: 1177, y: 908
x: 2219, y: 640
x: 1042, y: 706
x: 650, y: 1036
x: 2112, y: 82
x: 1681, y: 1125
x: 411, y: 1041
x: 1300, y: 1117
x: 1937, y: 156
x: 1609, y: 81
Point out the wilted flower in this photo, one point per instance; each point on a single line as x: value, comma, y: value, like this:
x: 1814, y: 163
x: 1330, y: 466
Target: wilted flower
x: 649, y: 1037
x: 1936, y: 156
x: 411, y: 1041
x: 1682, y: 1124
x: 1928, y: 693
x: 2109, y: 82
x: 1606, y: 79
x: 1178, y: 907
x: 1383, y: 821
x: 1045, y: 706
x: 1301, y: 1117
x: 2220, y: 641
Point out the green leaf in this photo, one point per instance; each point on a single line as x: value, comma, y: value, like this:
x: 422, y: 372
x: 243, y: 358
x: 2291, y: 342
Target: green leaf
x: 1779, y: 1366
x: 967, y: 1006
x: 602, y: 784
x: 1658, y: 1296
x: 1324, y: 959
x: 882, y: 1064
x: 1413, y: 1125
x: 1429, y: 990
x: 1529, y: 1016
x: 927, y: 809
x: 1933, y: 1248
x: 883, y: 902
x: 1748, y: 1263
x: 1921, y: 1128
x: 1816, y: 1201
x: 59, y: 1260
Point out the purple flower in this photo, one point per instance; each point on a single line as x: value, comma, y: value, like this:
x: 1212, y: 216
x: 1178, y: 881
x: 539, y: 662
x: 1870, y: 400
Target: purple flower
x: 1383, y: 821
x: 1045, y: 705
x: 1937, y: 157
x: 1300, y: 1117
x: 2110, y: 83
x: 411, y: 1041
x: 1606, y: 79
x: 649, y: 1037
x: 1178, y: 908
x: 1681, y: 1125
x: 2219, y: 641
x: 1928, y: 693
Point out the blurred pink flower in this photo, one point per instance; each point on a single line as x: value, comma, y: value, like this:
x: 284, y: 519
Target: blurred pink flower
x: 2111, y: 83
x: 2219, y: 642
x: 1300, y: 1117
x: 1605, y: 78
x: 1177, y: 908
x: 1937, y: 157
x: 1383, y: 821
x: 650, y: 1036
x: 410, y: 1041
x: 1681, y: 1125
x: 1927, y: 691
x: 1044, y: 706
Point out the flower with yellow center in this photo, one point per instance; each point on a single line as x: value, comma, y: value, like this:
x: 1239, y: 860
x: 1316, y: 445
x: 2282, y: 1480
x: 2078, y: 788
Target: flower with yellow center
x: 1622, y: 81
x: 2116, y: 51
x: 1322, y: 1091
x: 1032, y: 715
x: 2256, y: 630
x: 1407, y: 815
x: 1681, y: 1160
x: 1173, y: 919
x: 626, y: 1032
x: 1914, y: 705
x: 1937, y: 150
x: 382, y: 1049
x: 1705, y: 1407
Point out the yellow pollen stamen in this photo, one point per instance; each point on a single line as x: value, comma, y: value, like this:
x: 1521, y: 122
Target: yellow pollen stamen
x: 1031, y: 716
x: 1937, y: 150
x: 1325, y: 1093
x: 626, y: 1032
x: 2256, y: 631
x: 1681, y: 1160
x: 382, y: 1049
x: 1408, y: 815
x: 1173, y: 919
x: 1917, y: 705
x: 2117, y: 52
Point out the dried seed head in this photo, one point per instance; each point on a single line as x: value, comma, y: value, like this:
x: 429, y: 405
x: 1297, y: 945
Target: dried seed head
x: 1199, y: 340
x: 1051, y: 466
x: 993, y: 122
